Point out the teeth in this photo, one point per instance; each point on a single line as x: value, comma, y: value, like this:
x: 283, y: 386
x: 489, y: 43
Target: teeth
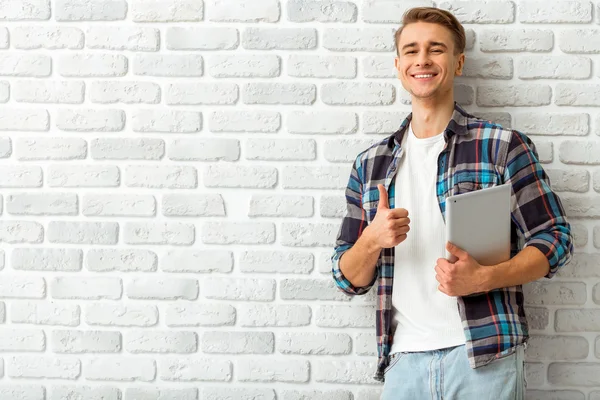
x: 424, y: 76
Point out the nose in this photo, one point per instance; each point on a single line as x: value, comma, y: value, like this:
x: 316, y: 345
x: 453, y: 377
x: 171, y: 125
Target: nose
x: 423, y: 59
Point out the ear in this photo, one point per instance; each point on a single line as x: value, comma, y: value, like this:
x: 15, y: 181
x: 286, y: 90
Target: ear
x: 460, y: 64
x: 397, y: 62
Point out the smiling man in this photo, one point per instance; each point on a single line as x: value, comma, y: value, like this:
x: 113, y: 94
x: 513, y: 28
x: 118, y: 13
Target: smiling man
x: 445, y: 330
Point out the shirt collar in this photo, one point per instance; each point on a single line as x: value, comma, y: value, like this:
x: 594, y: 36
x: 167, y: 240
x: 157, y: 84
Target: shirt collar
x: 456, y: 125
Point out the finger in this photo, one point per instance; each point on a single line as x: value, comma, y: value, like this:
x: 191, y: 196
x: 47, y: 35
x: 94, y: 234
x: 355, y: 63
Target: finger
x: 401, y: 222
x: 401, y: 229
x: 383, y: 198
x: 442, y: 289
x: 400, y: 238
x: 456, y: 251
x: 399, y: 213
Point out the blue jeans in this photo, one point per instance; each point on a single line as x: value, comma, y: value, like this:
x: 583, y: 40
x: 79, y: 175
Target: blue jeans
x: 445, y: 374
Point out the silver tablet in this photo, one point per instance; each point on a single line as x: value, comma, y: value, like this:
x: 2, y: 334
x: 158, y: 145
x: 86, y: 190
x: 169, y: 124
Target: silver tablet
x: 479, y: 223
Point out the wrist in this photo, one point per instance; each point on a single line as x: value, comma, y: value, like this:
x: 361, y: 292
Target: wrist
x: 371, y: 244
x: 486, y: 278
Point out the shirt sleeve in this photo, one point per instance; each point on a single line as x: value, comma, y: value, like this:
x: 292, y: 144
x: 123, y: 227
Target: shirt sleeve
x: 537, y: 211
x: 352, y: 226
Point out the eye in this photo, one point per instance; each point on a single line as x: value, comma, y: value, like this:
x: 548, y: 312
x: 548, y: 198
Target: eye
x: 410, y: 52
x: 436, y: 51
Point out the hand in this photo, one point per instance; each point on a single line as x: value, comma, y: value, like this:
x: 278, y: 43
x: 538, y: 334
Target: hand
x: 389, y: 227
x: 459, y: 278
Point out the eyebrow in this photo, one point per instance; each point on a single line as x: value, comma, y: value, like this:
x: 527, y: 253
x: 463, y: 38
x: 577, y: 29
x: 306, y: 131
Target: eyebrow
x: 414, y: 44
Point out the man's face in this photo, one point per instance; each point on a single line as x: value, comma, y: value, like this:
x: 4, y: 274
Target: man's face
x: 426, y: 62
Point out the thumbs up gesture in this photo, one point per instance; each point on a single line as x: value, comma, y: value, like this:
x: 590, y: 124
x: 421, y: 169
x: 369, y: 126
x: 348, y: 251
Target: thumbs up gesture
x: 390, y: 226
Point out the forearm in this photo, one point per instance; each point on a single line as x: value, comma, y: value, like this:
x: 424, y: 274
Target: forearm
x: 358, y: 264
x: 528, y: 265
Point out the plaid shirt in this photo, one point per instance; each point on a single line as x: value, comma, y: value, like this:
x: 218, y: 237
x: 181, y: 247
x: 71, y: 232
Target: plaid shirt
x: 478, y: 154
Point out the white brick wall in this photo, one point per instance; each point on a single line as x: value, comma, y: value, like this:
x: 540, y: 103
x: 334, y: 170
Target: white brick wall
x: 172, y: 175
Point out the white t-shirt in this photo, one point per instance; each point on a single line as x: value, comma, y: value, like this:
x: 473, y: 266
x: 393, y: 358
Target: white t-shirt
x: 425, y: 318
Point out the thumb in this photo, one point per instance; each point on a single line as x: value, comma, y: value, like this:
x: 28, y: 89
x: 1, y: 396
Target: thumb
x: 383, y: 198
x: 456, y: 251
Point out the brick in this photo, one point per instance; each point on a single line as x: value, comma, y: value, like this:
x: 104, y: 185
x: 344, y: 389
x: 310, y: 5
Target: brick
x: 193, y: 205
x: 244, y: 66
x: 25, y: 65
x: 167, y: 10
x: 127, y: 205
x: 281, y: 206
x: 574, y: 374
x: 300, y: 177
x: 308, y: 234
x: 21, y: 287
x: 5, y: 147
x: 554, y: 67
x: 535, y: 374
x: 279, y: 38
x: 321, y: 11
x: 569, y: 181
x: 44, y: 367
x: 345, y: 150
x: 537, y: 317
x: 15, y: 10
x: 310, y: 289
x: 42, y: 204
x: 579, y: 41
x: 179, y: 342
x: 579, y: 152
x: 489, y: 67
x: 220, y: 342
x: 45, y: 313
x: 475, y: 12
x: 160, y: 393
x: 202, y: 38
x: 127, y: 149
x: 166, y: 121
x: 267, y: 370
x: 172, y: 65
x: 239, y: 289
x: 94, y: 10
x: 119, y: 368
x: 64, y: 92
x: 389, y: 12
x: 345, y: 316
x: 545, y: 151
x: 358, y: 39
x: 365, y: 344
x: 4, y: 38
x: 197, y: 369
x: 281, y: 149
x: 162, y: 289
x: 55, y: 38
x: 74, y: 342
x: 596, y: 178
x: 90, y: 120
x: 348, y: 372
x: 554, y: 394
x: 85, y: 392
x: 21, y: 232
x: 111, y: 92
x: 282, y: 262
x: 19, y: 176
x: 212, y: 314
x: 279, y: 93
x: 330, y: 122
x: 245, y: 121
x: 316, y: 66
x: 522, y: 95
x: 159, y: 177
x: 379, y: 67
x: 552, y: 124
x: 223, y: 393
x: 580, y: 237
x: 516, y: 40
x: 315, y: 343
x: 123, y: 38
x: 46, y: 259
x: 83, y: 176
x: 570, y: 94
x: 23, y: 392
x: 104, y: 233
x: 202, y: 93
x: 577, y: 320
x: 109, y: 314
x: 263, y: 315
x: 197, y: 261
x: 381, y: 122
x: 123, y: 260
x: 159, y: 233
x: 581, y: 207
x: 317, y: 395
x: 4, y: 96
x: 259, y: 177
x: 40, y: 148
x: 553, y: 348
x: 21, y: 119
x: 561, y: 12
x: 333, y: 206
x: 243, y: 11
x: 86, y: 288
x: 92, y: 65
x: 560, y: 293
x: 352, y: 93
x: 22, y: 340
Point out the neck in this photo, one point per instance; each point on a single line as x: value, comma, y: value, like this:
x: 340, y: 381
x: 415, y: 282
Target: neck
x: 431, y: 116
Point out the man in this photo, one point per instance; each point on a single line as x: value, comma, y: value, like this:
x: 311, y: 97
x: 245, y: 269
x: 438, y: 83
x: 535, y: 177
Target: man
x: 445, y: 330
